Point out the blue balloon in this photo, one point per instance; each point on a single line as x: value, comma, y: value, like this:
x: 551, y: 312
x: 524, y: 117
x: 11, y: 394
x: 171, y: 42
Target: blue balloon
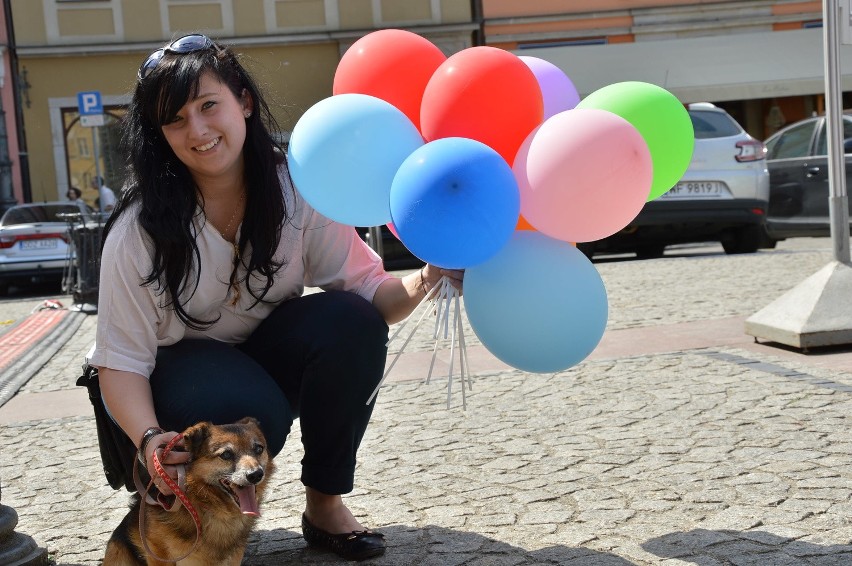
x: 344, y: 152
x: 454, y: 202
x: 538, y: 305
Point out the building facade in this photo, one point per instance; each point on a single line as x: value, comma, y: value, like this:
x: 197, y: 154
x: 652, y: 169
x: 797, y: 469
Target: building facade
x: 759, y: 59
x: 65, y: 47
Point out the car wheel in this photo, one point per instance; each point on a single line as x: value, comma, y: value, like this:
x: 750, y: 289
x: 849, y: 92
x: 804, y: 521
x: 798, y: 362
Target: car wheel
x: 4, y: 288
x: 650, y: 251
x: 746, y: 240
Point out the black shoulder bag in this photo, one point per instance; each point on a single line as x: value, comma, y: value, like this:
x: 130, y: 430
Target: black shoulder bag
x: 118, y: 453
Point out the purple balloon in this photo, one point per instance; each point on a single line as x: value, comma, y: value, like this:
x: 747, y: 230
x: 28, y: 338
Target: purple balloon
x: 557, y: 90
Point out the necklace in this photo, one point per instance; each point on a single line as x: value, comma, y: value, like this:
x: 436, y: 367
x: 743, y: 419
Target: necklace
x: 233, y: 283
x: 233, y: 216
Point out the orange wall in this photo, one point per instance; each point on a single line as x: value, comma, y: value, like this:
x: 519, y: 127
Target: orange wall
x: 510, y: 8
x: 563, y: 25
x: 797, y: 8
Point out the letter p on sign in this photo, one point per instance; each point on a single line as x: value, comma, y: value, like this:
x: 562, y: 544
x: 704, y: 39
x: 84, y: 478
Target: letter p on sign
x: 89, y: 103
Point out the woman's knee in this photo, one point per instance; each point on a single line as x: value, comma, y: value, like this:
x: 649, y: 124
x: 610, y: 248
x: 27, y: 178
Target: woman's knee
x: 205, y: 380
x: 351, y: 317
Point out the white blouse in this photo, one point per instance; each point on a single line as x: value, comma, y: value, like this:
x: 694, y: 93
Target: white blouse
x: 133, y: 320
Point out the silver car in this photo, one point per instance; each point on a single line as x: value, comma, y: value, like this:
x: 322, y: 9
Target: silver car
x: 34, y: 241
x: 722, y: 197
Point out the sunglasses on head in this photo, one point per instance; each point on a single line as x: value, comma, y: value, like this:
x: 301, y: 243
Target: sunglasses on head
x: 182, y: 45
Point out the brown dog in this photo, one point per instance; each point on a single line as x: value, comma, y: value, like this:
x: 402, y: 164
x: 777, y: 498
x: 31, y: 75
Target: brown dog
x: 225, y: 481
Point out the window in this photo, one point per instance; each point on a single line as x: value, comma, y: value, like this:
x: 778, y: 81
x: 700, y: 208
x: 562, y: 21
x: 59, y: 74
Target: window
x: 822, y: 141
x: 708, y: 125
x: 795, y: 142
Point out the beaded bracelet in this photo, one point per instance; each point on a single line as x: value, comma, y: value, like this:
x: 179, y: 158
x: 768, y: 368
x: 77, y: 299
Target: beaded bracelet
x: 150, y: 433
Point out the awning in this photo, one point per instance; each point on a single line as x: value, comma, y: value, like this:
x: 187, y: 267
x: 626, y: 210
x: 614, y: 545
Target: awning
x: 726, y: 67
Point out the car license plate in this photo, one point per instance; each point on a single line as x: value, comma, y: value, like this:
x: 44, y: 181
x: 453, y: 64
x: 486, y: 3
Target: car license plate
x: 696, y: 189
x: 39, y: 244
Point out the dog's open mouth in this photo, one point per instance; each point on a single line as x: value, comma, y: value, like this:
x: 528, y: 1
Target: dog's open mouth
x: 244, y: 496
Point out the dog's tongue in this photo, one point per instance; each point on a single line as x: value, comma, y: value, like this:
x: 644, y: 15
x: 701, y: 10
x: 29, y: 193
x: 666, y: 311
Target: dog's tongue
x: 248, y: 500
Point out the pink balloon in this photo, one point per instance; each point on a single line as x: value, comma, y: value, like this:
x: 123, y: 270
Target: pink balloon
x: 583, y: 174
x: 557, y: 90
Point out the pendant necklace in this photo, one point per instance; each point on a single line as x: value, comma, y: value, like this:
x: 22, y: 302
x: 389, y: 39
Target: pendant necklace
x: 233, y: 284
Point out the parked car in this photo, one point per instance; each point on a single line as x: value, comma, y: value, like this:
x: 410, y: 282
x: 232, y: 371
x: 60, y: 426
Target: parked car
x: 722, y: 197
x: 394, y: 254
x: 797, y: 158
x: 34, y: 241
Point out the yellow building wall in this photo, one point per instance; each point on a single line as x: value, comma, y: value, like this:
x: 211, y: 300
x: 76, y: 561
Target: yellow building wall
x: 300, y: 13
x: 29, y: 23
x: 294, y: 76
x: 249, y: 19
x: 141, y: 19
x: 355, y: 14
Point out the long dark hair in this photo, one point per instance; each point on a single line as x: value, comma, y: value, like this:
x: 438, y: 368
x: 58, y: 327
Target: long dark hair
x: 163, y: 186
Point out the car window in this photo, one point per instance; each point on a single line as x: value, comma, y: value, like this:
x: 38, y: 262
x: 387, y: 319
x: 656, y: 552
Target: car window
x: 822, y: 140
x: 795, y: 142
x: 708, y: 124
x: 31, y: 214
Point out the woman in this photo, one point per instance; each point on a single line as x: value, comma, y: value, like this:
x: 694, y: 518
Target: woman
x: 204, y: 263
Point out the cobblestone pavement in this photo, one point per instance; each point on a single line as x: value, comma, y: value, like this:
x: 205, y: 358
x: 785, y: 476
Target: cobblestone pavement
x: 708, y: 456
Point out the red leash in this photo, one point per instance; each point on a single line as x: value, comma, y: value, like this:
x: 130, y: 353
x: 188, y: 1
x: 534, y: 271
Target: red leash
x: 179, y: 494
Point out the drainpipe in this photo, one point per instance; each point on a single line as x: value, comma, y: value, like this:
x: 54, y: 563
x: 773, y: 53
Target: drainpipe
x: 479, y: 19
x: 23, y: 156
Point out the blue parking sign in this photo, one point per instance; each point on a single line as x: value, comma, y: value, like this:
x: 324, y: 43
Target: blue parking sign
x: 89, y: 103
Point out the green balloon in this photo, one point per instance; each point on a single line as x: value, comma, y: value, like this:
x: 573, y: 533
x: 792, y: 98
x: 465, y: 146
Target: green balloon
x: 661, y: 119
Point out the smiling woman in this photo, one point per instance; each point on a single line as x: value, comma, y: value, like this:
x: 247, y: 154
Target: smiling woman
x: 201, y: 315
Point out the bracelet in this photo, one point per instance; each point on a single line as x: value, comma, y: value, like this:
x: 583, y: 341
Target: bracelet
x: 423, y: 282
x: 150, y: 433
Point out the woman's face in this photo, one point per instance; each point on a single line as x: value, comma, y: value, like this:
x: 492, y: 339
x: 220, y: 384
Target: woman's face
x: 208, y: 133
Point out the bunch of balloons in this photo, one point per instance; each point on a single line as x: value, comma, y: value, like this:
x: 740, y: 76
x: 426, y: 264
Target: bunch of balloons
x: 490, y: 162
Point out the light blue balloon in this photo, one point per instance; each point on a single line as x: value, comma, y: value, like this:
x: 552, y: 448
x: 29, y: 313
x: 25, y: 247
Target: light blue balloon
x: 538, y: 305
x: 455, y: 202
x: 344, y: 152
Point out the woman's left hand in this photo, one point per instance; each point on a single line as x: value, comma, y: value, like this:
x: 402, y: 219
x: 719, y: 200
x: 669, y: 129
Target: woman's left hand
x: 432, y: 274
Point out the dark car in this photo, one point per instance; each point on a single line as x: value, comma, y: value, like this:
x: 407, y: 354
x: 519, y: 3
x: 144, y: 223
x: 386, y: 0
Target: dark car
x: 394, y: 254
x: 722, y: 197
x: 797, y: 158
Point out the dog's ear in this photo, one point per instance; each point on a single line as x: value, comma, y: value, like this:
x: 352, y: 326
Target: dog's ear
x: 249, y: 421
x: 194, y: 436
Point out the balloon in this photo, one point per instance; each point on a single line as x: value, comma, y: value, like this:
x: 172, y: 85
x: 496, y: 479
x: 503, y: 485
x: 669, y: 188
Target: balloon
x: 583, y: 175
x: 343, y: 154
x: 454, y: 202
x: 538, y: 305
x: 557, y: 90
x: 523, y: 224
x: 482, y: 93
x: 390, y: 64
x: 660, y: 118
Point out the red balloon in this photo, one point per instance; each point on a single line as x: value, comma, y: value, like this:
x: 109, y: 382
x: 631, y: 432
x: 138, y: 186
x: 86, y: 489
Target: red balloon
x: 486, y: 94
x: 391, y: 64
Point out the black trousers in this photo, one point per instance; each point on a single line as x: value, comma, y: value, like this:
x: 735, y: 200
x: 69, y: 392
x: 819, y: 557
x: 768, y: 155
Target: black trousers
x: 317, y: 358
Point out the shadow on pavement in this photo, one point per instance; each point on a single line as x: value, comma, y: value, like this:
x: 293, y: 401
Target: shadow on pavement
x: 711, y: 548
x: 430, y: 545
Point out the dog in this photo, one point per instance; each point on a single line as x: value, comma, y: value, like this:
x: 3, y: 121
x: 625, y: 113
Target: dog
x: 225, y: 482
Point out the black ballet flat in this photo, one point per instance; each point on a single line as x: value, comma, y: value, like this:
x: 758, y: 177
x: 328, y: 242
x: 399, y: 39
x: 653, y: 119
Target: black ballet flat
x: 357, y: 545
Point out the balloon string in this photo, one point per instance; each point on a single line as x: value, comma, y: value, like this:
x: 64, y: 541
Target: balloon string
x: 445, y: 296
